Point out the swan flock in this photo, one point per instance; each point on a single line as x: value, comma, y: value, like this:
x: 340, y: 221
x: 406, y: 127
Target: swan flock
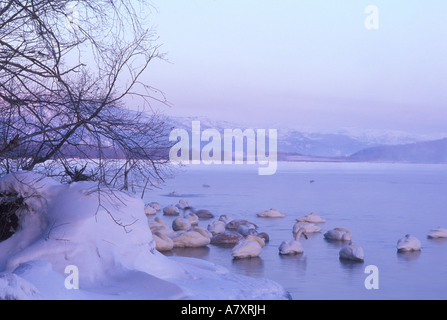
x: 246, y: 240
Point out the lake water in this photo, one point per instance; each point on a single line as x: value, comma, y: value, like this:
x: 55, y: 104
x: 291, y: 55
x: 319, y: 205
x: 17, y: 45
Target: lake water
x: 378, y: 203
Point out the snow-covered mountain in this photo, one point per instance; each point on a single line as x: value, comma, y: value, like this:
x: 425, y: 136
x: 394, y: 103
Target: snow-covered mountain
x: 419, y: 152
x: 308, y: 142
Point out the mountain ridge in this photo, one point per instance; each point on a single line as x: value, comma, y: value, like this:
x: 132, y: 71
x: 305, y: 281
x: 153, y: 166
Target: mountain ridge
x: 347, y: 144
x: 434, y: 151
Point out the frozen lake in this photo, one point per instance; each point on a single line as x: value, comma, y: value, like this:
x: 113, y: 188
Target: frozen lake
x: 378, y: 203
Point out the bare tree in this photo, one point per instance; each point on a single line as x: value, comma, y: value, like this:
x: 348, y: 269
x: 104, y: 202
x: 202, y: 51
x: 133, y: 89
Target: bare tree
x: 67, y: 69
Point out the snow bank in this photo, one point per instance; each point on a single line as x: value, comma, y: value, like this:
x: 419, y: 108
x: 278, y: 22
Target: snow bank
x: 106, y: 236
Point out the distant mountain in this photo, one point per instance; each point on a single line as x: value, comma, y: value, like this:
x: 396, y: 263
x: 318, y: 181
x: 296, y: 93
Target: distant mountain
x: 303, y: 143
x: 319, y: 144
x: 419, y: 152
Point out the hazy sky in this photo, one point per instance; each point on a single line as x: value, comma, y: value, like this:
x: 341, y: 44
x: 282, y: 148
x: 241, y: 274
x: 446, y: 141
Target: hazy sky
x: 286, y: 63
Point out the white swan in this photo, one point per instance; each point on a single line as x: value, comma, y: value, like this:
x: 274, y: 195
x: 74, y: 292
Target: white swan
x: 309, y: 227
x: 155, y: 205
x: 182, y: 204
x: 157, y: 224
x: 204, y: 214
x: 216, y: 227
x: 192, y: 218
x: 226, y: 238
x: 162, y: 241
x: 181, y: 223
x: 294, y: 246
x: 271, y: 213
x: 246, y: 229
x: 193, y: 238
x: 149, y: 210
x: 171, y: 210
x: 234, y: 224
x: 312, y: 217
x: 352, y: 252
x: 438, y: 233
x: 408, y: 243
x: 249, y: 247
x: 341, y: 234
x: 225, y: 218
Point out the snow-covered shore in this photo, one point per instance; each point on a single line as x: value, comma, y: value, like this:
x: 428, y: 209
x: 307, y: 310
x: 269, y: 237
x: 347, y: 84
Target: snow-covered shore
x: 106, y: 237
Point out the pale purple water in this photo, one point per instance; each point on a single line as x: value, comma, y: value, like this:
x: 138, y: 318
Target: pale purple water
x: 379, y: 203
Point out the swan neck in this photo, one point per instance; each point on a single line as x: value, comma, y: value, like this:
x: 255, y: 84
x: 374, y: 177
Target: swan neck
x: 299, y: 234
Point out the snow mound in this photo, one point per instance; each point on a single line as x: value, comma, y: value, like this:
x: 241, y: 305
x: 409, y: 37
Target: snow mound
x: 105, y: 235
